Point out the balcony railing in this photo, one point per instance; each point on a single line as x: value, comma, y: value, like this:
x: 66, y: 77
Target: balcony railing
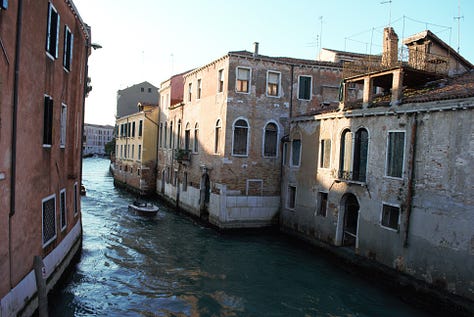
x: 182, y: 155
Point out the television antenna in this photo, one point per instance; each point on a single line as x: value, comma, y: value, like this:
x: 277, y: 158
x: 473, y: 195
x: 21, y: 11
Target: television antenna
x: 459, y: 17
x: 389, y: 10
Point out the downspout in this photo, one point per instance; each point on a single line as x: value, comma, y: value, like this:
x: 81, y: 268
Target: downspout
x: 411, y: 178
x: 14, y: 131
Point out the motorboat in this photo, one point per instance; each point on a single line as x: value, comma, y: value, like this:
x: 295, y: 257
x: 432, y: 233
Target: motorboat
x: 143, y: 208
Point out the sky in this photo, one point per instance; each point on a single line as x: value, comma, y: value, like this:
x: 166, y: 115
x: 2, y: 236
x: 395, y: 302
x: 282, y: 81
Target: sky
x: 150, y: 40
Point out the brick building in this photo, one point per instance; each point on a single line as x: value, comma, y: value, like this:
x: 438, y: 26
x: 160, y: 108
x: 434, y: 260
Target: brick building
x: 45, y: 48
x: 387, y: 175
x: 220, y: 146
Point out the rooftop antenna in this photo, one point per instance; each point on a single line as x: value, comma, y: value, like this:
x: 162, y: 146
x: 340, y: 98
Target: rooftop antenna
x: 320, y: 38
x: 389, y: 10
x: 459, y: 17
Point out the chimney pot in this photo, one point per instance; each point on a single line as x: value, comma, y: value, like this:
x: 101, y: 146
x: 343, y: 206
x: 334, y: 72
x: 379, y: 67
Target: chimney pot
x: 255, y: 49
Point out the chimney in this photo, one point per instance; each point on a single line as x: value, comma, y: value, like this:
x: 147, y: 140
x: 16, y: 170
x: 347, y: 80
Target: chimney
x: 390, y: 47
x: 255, y: 49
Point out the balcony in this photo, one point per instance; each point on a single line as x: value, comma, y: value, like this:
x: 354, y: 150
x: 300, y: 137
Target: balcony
x: 182, y: 155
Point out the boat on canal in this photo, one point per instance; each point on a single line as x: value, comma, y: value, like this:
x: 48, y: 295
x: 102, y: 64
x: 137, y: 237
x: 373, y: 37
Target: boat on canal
x: 143, y: 208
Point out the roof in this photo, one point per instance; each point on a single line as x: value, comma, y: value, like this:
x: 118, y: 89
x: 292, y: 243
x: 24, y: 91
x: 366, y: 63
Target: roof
x: 461, y: 86
x: 85, y: 28
x: 427, y: 34
x: 352, y: 54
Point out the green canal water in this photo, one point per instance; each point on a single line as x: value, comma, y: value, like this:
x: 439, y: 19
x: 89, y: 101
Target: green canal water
x: 172, y: 266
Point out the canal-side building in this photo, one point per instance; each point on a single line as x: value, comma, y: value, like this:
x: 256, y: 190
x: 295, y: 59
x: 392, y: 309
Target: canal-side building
x: 128, y: 98
x: 220, y: 149
x: 135, y: 149
x: 43, y: 66
x: 95, y: 138
x: 388, y: 175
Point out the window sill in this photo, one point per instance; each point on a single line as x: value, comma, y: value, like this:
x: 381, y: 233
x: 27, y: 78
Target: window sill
x: 350, y: 181
x: 394, y: 178
x: 390, y: 229
x: 46, y: 146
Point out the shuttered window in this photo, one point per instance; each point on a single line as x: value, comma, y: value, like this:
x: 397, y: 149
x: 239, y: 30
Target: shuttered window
x: 395, y: 153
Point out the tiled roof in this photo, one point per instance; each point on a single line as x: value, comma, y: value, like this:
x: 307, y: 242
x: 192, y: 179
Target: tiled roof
x: 447, y: 88
x: 287, y: 60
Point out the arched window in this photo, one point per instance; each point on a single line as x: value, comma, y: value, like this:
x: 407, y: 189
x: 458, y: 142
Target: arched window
x: 217, y: 136
x: 361, y: 146
x: 196, y: 138
x: 345, y: 156
x: 171, y: 135
x: 165, y: 136
x: 178, y: 135
x: 240, y: 138
x: 187, y: 137
x: 270, y: 140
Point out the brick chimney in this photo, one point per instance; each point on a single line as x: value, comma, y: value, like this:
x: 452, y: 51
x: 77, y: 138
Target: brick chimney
x: 390, y: 47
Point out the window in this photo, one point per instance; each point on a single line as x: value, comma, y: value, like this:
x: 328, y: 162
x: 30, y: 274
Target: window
x: 121, y: 150
x: 142, y: 89
x: 273, y: 84
x: 199, y: 89
x: 196, y: 138
x: 160, y: 135
x: 270, y: 140
x: 217, y: 136
x: 149, y: 90
x: 291, y: 199
x: 48, y: 121
x: 133, y: 151
x: 133, y: 129
x: 171, y: 135
x: 304, y: 87
x: 52, y: 37
x: 322, y: 204
x: 139, y: 152
x: 390, y: 217
x: 240, y: 138
x: 62, y: 208
x: 68, y: 44
x: 4, y: 4
x: 178, y: 135
x: 361, y: 146
x: 220, y: 81
x: 187, y: 137
x: 243, y: 80
x: 190, y: 91
x: 129, y: 129
x: 285, y: 153
x: 49, y: 219
x: 325, y: 154
x: 295, y: 152
x: 62, y: 138
x: 185, y: 181
x: 165, y: 137
x: 345, y: 155
x: 395, y: 153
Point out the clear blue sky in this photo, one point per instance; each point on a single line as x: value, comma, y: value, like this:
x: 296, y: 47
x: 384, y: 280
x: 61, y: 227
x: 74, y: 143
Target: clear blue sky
x: 149, y: 40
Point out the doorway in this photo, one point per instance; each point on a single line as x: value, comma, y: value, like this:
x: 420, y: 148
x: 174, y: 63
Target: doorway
x: 351, y: 220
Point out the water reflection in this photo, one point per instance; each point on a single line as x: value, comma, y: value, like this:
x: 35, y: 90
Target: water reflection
x: 171, y: 266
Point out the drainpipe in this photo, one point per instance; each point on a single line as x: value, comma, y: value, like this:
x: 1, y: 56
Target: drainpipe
x: 14, y: 131
x: 411, y: 178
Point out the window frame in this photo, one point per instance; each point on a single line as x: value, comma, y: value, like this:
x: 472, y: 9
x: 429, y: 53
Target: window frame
x: 190, y: 91
x: 310, y: 87
x: 247, y: 137
x: 388, y: 154
x: 264, y: 140
x: 199, y: 89
x: 43, y: 201
x: 48, y: 117
x: 217, y: 136
x: 320, y: 204
x: 53, y: 54
x: 291, y: 197
x: 381, y: 222
x: 196, y: 139
x: 278, y: 94
x: 237, y: 80
x: 322, y: 152
x: 292, y: 152
x: 63, y: 207
x: 68, y: 48
x: 220, y: 81
x: 63, y: 126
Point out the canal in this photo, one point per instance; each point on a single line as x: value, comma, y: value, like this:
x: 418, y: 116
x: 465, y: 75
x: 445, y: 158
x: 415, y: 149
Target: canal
x: 172, y: 266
